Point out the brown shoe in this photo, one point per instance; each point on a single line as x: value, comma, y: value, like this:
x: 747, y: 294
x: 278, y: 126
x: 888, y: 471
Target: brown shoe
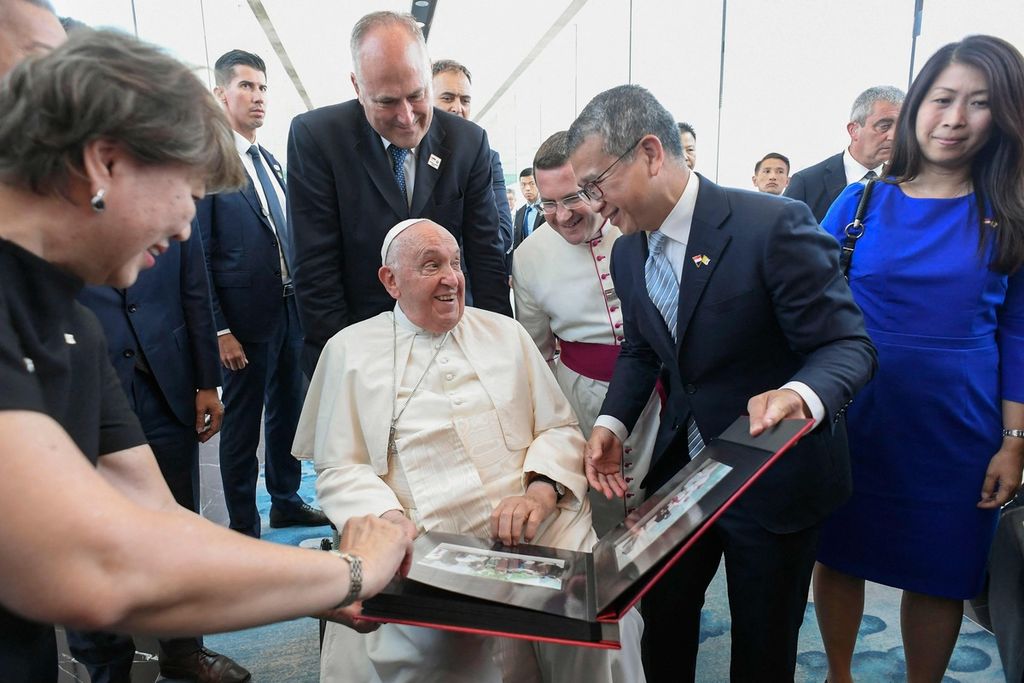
x: 204, y: 666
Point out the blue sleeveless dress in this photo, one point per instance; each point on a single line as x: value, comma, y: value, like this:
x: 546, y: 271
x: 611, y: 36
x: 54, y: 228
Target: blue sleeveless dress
x: 950, y: 339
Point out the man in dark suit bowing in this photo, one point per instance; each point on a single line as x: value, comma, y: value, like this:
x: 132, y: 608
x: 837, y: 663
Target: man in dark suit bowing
x: 871, y: 128
x: 357, y: 168
x: 248, y: 250
x: 162, y: 342
x: 736, y: 298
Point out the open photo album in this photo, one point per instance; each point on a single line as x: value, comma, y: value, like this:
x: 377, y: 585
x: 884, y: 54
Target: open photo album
x: 465, y: 583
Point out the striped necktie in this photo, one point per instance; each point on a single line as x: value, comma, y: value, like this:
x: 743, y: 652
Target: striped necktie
x: 663, y: 289
x: 662, y: 285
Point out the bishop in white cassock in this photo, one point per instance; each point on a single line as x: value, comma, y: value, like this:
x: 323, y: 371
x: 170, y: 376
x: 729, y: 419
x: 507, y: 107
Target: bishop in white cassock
x: 563, y: 290
x: 441, y: 418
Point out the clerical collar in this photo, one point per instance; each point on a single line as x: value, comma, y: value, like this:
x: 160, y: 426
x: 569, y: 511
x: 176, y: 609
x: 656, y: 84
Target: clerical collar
x: 403, y: 321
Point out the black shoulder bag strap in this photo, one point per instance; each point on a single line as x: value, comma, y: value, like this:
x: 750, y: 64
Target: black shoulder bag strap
x: 855, y: 230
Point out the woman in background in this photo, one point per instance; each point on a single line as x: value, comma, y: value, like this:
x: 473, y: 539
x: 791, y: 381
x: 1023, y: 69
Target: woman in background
x: 937, y: 438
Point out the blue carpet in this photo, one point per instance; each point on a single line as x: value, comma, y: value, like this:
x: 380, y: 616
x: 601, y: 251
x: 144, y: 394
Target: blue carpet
x: 290, y: 651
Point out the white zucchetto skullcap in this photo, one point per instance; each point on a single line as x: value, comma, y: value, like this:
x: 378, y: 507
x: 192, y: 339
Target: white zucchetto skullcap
x: 395, y: 232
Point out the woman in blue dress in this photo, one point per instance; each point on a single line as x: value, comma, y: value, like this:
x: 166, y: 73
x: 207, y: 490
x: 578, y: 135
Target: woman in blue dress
x: 937, y: 437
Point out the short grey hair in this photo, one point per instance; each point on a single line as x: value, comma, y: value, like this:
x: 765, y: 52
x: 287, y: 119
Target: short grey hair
x: 623, y: 115
x: 879, y: 93
x: 107, y: 85
x: 375, y: 20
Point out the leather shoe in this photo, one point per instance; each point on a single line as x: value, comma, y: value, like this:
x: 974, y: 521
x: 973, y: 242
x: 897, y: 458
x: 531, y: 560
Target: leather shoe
x: 204, y: 666
x: 301, y: 515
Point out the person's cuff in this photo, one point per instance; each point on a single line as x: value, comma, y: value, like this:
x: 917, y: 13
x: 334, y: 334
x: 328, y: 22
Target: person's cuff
x: 221, y: 333
x: 814, y: 403
x: 614, y: 425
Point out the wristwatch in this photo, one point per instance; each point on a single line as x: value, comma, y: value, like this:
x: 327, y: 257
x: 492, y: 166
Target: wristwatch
x: 355, y: 577
x: 559, y: 488
x: 1018, y: 433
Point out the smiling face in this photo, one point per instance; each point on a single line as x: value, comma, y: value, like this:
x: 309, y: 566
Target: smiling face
x: 147, y: 206
x: 426, y: 277
x: 954, y: 120
x: 576, y: 225
x: 244, y: 100
x: 624, y: 201
x: 394, y: 86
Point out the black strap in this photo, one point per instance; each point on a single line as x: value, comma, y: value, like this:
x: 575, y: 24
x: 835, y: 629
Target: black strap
x: 855, y: 230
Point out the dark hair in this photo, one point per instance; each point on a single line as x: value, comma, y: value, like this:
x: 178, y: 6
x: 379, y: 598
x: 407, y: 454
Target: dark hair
x: 997, y: 170
x: 224, y: 69
x: 684, y: 127
x: 528, y: 171
x: 443, y: 65
x: 553, y: 152
x: 107, y: 85
x: 623, y: 115
x: 772, y: 155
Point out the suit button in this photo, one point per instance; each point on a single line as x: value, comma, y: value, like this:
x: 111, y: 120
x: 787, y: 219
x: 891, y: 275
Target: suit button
x: 621, y: 338
x: 690, y: 389
x: 627, y: 465
x: 277, y: 272
x: 273, y: 243
x: 604, y: 276
x: 613, y: 308
x: 128, y: 353
x: 675, y: 425
x: 627, y: 449
x: 132, y: 308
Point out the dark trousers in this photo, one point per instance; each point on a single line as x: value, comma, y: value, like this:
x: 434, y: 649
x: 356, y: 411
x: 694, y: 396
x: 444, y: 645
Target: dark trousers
x: 272, y: 380
x: 108, y: 656
x: 768, y: 578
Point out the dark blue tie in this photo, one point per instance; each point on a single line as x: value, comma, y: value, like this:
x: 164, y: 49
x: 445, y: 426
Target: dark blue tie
x: 270, y: 192
x: 398, y: 155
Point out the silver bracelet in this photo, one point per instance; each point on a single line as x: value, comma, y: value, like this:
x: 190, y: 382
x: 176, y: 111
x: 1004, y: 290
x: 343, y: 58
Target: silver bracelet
x: 1016, y: 433
x: 355, y: 577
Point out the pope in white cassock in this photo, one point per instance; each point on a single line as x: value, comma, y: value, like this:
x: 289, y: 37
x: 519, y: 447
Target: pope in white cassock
x: 441, y: 418
x: 561, y: 277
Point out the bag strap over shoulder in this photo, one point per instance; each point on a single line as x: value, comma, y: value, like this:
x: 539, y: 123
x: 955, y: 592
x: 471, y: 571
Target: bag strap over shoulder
x: 855, y: 230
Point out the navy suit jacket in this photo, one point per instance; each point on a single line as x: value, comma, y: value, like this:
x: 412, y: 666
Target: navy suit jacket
x: 769, y: 306
x: 818, y: 186
x: 501, y: 202
x: 343, y: 199
x: 166, y: 314
x: 517, y: 225
x: 244, y: 262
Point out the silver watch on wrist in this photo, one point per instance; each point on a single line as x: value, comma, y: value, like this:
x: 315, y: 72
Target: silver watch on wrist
x: 1016, y: 433
x: 355, y: 578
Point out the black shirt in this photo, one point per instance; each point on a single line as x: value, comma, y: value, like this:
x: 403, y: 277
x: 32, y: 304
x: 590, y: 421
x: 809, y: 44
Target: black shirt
x: 53, y: 360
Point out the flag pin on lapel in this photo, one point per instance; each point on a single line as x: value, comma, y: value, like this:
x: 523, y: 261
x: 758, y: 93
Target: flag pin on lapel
x: 701, y: 260
x: 434, y: 161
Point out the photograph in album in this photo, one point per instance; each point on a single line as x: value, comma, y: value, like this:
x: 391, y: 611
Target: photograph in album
x: 465, y: 583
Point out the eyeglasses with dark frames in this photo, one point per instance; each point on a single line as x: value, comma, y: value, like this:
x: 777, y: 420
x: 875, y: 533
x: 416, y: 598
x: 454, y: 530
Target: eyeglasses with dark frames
x: 592, y: 191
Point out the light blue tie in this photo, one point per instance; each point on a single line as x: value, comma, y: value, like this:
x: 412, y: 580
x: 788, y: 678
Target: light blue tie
x: 398, y: 155
x: 528, y: 220
x: 662, y: 285
x: 663, y: 289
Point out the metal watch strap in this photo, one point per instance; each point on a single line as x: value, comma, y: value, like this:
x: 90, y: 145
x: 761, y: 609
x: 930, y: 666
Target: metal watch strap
x: 1016, y: 433
x: 355, y: 578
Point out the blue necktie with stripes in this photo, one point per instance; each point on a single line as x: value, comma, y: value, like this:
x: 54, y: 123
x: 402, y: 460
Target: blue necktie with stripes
x: 663, y: 289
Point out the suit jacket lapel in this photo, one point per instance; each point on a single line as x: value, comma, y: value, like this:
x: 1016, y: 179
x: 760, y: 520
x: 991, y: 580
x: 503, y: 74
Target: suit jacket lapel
x: 426, y: 173
x: 705, y: 243
x: 249, y: 192
x: 375, y: 159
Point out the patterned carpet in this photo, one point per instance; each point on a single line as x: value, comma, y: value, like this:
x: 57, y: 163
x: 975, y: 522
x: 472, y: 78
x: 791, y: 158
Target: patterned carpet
x: 288, y: 652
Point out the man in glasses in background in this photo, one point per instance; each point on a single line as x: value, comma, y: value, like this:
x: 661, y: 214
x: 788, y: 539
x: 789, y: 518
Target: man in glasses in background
x: 736, y: 300
x: 564, y: 293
